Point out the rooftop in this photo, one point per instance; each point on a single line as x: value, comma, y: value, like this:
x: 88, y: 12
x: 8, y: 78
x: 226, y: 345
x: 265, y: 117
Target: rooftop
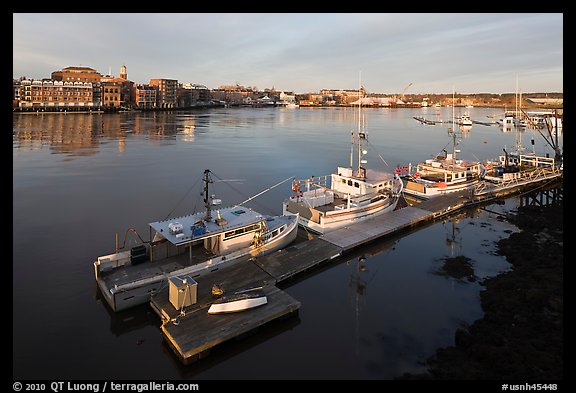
x: 191, y: 225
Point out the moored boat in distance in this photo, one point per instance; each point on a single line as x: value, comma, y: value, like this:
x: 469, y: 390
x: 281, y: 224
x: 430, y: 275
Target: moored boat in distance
x: 465, y: 120
x: 192, y: 245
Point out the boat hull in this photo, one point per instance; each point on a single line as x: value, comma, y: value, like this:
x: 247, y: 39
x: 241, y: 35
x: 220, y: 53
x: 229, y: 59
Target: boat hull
x: 237, y: 305
x: 423, y: 191
x: 324, y: 223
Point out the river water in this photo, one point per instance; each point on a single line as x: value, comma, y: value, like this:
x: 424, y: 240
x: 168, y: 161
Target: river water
x: 376, y: 313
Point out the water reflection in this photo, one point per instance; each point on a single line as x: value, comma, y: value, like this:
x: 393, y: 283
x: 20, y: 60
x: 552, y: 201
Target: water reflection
x: 381, y: 308
x: 83, y: 134
x: 74, y: 134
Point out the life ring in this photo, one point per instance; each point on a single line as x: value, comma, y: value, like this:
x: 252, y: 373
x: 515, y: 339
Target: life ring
x: 296, y: 187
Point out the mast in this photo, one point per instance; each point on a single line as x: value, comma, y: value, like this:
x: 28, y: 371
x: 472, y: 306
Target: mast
x: 207, y: 180
x: 361, y: 134
x: 518, y: 134
x: 453, y: 131
x: 516, y: 99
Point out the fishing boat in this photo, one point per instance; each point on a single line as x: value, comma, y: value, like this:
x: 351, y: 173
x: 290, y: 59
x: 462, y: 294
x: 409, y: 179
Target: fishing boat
x: 350, y: 195
x: 517, y: 167
x: 239, y: 301
x: 465, y: 120
x: 507, y: 121
x: 441, y: 175
x: 193, y: 245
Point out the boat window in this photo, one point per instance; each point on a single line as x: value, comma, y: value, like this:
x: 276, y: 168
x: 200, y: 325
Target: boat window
x: 344, y: 181
x: 282, y: 229
x: 349, y: 182
x: 356, y: 184
x: 240, y: 231
x: 275, y: 233
x: 238, y: 212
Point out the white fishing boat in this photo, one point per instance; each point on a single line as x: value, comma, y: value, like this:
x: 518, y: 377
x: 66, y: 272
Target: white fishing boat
x: 348, y: 196
x: 506, y: 121
x: 239, y: 301
x: 442, y: 174
x: 520, y: 168
x: 193, y: 245
x: 465, y: 120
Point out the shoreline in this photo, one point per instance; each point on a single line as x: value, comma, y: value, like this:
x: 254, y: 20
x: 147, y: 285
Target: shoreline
x: 520, y: 336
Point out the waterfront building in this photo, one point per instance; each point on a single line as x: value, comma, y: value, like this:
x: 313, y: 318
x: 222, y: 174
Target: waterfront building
x: 127, y: 97
x: 145, y: 96
x: 15, y: 92
x: 287, y: 97
x: 55, y: 95
x: 235, y: 95
x: 76, y: 74
x: 111, y: 94
x: 167, y: 92
x: 190, y: 95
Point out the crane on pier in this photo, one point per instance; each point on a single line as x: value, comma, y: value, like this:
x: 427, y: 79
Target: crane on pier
x: 404, y: 91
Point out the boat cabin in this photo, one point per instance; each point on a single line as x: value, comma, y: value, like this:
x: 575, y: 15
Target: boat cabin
x: 233, y: 229
x: 345, y: 182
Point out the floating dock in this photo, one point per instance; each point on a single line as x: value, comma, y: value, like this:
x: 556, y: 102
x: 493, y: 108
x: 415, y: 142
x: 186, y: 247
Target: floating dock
x: 191, y: 332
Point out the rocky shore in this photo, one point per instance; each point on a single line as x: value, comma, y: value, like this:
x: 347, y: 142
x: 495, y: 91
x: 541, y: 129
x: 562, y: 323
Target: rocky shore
x: 520, y: 336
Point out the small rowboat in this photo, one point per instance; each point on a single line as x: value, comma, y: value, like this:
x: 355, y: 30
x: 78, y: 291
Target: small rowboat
x: 239, y: 301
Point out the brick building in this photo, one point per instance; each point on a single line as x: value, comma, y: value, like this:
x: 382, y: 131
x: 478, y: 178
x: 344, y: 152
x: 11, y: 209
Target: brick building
x: 167, y: 92
x: 145, y: 96
x: 77, y: 74
x: 56, y: 95
x: 127, y: 98
x: 190, y: 95
x: 111, y: 91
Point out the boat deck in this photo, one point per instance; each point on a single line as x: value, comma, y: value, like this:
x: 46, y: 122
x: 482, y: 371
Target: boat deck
x: 130, y: 273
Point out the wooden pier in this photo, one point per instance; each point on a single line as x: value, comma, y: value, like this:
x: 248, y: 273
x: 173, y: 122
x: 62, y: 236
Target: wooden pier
x: 192, y: 332
x: 363, y: 232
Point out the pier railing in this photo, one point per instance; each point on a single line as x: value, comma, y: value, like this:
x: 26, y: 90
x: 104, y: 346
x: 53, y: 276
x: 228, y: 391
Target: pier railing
x: 518, y: 179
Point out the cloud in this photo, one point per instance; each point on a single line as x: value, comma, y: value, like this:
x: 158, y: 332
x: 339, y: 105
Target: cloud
x: 301, y: 51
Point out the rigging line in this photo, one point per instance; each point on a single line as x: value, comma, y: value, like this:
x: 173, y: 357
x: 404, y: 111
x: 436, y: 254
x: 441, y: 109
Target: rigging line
x: 262, y: 192
x: 242, y: 194
x: 185, y: 195
x: 373, y: 147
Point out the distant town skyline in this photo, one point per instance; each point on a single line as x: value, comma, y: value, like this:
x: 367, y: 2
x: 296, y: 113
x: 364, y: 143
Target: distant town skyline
x: 303, y: 52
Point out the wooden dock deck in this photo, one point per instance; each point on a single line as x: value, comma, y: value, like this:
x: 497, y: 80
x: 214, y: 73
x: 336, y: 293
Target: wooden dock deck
x: 357, y: 234
x: 192, y: 333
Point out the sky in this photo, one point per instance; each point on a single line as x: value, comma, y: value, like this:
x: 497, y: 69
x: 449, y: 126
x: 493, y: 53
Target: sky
x: 303, y: 52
